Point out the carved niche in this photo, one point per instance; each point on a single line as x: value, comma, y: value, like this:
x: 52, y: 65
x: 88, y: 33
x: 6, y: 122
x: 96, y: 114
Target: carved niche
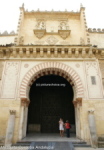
x: 64, y: 31
x: 40, y: 29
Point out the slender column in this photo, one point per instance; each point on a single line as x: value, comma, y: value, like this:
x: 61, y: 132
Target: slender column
x: 25, y: 119
x: 92, y: 128
x: 21, y: 122
x: 10, y: 128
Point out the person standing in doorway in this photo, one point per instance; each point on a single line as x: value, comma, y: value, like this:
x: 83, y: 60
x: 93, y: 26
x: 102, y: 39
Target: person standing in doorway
x: 67, y: 126
x: 61, y: 127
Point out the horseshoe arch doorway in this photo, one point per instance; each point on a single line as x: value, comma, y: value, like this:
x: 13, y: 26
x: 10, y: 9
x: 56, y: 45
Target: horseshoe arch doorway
x: 51, y: 97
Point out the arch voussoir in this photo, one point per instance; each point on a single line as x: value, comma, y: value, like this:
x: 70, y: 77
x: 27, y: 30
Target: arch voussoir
x: 52, y: 68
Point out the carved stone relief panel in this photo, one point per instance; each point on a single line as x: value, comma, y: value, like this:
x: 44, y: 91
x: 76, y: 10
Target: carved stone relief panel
x: 94, y: 85
x: 63, y: 25
x: 40, y: 25
x: 10, y: 79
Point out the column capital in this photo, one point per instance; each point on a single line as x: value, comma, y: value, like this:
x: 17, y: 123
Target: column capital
x: 12, y: 112
x: 91, y: 111
x: 79, y: 101
x: 24, y: 102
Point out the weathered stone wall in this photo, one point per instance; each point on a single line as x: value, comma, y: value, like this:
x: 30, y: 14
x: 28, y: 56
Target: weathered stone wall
x: 97, y: 39
x: 52, y: 23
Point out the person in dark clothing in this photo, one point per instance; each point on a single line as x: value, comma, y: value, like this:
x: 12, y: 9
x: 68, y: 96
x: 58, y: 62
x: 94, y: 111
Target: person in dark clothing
x: 67, y: 126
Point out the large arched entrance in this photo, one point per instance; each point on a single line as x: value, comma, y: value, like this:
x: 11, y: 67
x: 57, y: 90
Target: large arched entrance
x: 50, y: 68
x: 50, y: 97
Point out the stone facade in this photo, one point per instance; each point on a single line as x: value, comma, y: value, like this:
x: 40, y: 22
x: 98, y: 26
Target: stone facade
x: 52, y: 43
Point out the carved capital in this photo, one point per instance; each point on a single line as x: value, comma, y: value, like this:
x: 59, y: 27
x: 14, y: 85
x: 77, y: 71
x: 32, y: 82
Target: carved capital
x: 12, y: 112
x: 24, y: 102
x: 91, y: 111
x: 79, y: 101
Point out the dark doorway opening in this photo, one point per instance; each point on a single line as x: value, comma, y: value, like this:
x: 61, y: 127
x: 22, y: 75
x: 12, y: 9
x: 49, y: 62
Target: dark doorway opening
x: 51, y: 97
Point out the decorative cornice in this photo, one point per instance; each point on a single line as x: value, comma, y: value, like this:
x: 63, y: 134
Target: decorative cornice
x: 53, y: 51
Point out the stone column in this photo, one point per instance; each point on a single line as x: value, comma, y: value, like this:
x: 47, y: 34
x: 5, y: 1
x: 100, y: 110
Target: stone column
x: 21, y: 122
x: 92, y: 128
x: 23, y: 118
x: 10, y: 128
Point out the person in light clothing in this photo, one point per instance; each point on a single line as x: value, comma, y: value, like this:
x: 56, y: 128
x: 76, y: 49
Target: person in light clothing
x: 61, y: 127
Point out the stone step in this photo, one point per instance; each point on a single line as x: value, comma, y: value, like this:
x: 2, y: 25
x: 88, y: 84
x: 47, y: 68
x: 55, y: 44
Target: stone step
x: 52, y: 144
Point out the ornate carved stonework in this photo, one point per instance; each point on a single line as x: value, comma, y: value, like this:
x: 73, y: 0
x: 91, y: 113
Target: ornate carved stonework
x: 52, y: 40
x: 26, y: 65
x: 82, y: 42
x: 93, y: 80
x: 21, y: 40
x: 64, y: 31
x: 39, y: 33
x: 40, y: 29
x: 9, y: 81
x: 40, y: 25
